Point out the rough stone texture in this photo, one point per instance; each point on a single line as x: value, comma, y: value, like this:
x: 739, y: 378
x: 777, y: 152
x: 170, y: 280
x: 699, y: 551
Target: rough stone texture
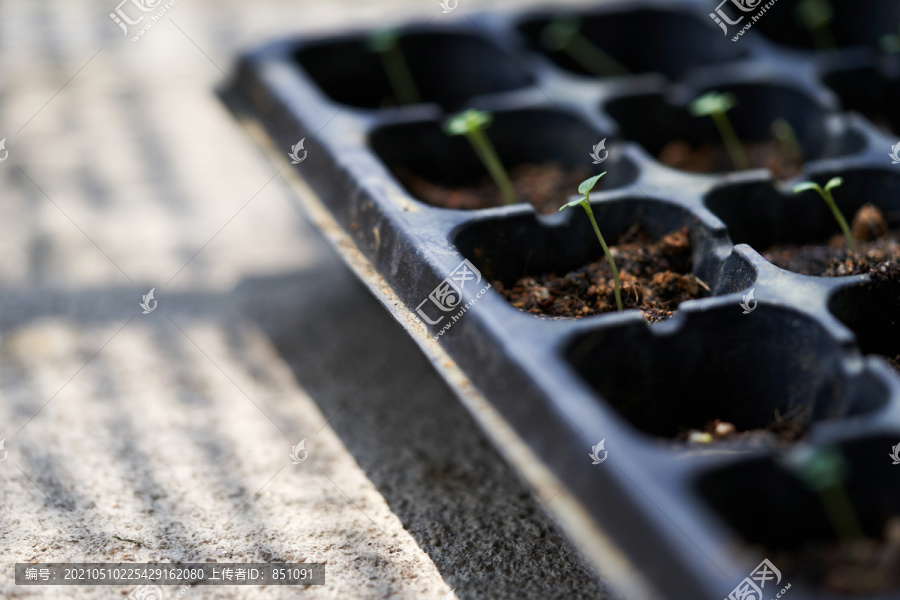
x: 173, y: 429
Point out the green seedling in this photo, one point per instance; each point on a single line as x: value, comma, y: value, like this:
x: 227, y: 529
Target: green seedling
x: 384, y: 43
x: 824, y: 471
x: 716, y: 105
x: 471, y: 123
x: 785, y: 135
x: 585, y: 189
x: 890, y: 43
x: 563, y: 34
x: 816, y: 16
x: 829, y: 200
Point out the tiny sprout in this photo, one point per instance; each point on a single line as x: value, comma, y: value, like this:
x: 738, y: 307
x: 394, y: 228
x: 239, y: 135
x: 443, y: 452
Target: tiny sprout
x: 384, y: 43
x: 816, y: 16
x: 890, y: 43
x: 824, y: 471
x: 564, y: 34
x: 471, y: 123
x: 829, y: 200
x: 585, y: 189
x: 716, y: 105
x: 786, y: 136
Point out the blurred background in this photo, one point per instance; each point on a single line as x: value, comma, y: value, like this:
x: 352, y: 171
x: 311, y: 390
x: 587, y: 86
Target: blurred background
x: 143, y: 437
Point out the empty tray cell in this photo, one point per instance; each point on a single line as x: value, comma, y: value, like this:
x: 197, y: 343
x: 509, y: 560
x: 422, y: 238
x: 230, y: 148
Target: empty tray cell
x: 869, y: 92
x: 872, y: 311
x: 773, y: 370
x: 545, y: 152
x: 829, y: 24
x: 446, y: 68
x: 663, y: 254
x: 826, y: 517
x: 798, y: 231
x: 604, y: 44
x: 778, y: 127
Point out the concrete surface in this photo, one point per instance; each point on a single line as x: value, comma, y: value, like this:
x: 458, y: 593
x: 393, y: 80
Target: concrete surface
x: 135, y: 437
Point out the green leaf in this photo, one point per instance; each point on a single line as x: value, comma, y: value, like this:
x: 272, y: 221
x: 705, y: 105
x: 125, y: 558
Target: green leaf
x: 833, y: 183
x: 712, y: 103
x: 468, y: 121
x: 382, y: 40
x: 559, y: 32
x: 571, y: 203
x: 588, y: 184
x: 814, y: 14
x: 820, y: 468
x: 807, y: 185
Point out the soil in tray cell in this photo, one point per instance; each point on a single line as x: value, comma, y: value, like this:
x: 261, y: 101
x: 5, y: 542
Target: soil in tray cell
x: 545, y: 186
x: 877, y: 250
x: 781, y: 160
x: 655, y: 276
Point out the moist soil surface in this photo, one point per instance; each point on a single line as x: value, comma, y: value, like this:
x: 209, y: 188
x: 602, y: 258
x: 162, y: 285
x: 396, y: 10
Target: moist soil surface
x: 789, y: 427
x: 876, y: 247
x: 655, y: 275
x: 713, y: 158
x: 545, y: 186
x: 862, y: 566
x: 877, y: 254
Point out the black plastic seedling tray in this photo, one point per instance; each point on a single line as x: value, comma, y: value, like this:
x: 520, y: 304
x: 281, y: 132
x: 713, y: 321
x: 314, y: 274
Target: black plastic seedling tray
x: 660, y: 517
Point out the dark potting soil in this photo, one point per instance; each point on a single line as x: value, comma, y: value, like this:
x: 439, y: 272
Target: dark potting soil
x: 789, y: 427
x: 713, y: 158
x: 876, y: 247
x: 877, y: 254
x: 545, y: 186
x: 655, y: 276
x: 862, y: 566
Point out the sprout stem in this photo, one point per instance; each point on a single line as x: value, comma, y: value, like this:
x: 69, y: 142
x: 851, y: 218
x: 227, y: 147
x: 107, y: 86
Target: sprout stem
x: 563, y: 34
x: 816, y: 16
x: 612, y: 264
x: 399, y: 75
x: 585, y: 190
x: 732, y: 143
x: 824, y: 471
x: 716, y: 105
x: 385, y: 44
x: 840, y: 512
x: 592, y: 58
x: 471, y: 123
x: 786, y: 136
x: 840, y: 219
x: 488, y: 156
x: 829, y: 200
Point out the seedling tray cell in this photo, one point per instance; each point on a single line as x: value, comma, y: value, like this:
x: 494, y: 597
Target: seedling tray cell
x: 660, y: 515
